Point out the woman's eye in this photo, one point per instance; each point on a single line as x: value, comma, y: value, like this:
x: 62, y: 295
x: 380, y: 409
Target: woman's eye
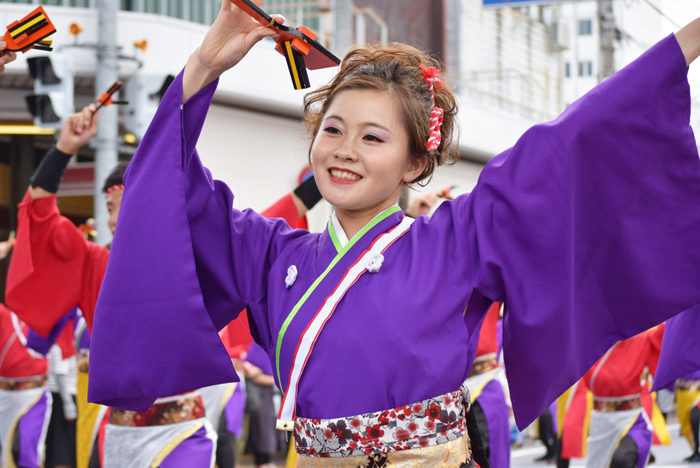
x: 332, y: 130
x: 373, y: 138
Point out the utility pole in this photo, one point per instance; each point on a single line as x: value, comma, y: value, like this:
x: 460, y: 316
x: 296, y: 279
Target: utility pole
x: 452, y: 17
x: 606, y: 16
x: 106, y: 154
x: 342, y: 25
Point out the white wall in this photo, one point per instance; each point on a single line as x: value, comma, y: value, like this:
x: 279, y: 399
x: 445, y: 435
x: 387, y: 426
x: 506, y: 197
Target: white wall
x: 259, y: 157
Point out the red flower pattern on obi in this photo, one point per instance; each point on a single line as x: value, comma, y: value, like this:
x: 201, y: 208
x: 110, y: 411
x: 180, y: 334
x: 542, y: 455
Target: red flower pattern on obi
x: 433, y: 412
x: 433, y: 421
x: 375, y: 432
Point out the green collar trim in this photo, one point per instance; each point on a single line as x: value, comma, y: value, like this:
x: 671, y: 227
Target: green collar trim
x: 334, y: 235
x: 341, y: 252
x: 381, y: 216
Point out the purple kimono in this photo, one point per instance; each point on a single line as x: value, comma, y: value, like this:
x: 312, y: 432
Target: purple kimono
x: 680, y: 352
x: 587, y: 229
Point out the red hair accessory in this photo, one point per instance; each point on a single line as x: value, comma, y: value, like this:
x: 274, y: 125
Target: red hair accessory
x: 431, y: 75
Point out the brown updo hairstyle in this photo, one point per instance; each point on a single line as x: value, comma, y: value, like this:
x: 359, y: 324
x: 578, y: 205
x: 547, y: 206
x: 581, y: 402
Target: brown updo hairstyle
x: 394, y: 68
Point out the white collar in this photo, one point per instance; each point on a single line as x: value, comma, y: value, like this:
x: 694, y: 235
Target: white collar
x: 340, y: 232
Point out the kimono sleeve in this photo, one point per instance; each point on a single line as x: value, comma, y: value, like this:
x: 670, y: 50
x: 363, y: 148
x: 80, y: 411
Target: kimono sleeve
x: 183, y: 264
x: 680, y: 350
x: 61, y: 333
x: 237, y: 334
x: 655, y: 338
x: 53, y: 267
x: 587, y: 228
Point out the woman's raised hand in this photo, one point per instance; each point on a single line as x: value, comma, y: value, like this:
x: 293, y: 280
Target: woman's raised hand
x: 6, y: 58
x: 229, y: 39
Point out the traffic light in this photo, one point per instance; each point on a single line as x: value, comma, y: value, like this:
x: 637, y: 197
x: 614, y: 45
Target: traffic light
x: 143, y: 92
x: 52, y: 100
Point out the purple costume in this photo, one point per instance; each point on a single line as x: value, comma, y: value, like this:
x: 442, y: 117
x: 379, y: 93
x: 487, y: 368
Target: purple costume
x: 680, y: 352
x: 587, y: 228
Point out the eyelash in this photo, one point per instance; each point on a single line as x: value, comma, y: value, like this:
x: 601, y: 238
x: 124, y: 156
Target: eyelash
x: 335, y: 131
x: 374, y: 138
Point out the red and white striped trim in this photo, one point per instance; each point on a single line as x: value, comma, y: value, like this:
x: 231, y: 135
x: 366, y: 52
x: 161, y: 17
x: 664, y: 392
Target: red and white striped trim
x: 115, y: 187
x: 308, y: 338
x: 108, y: 192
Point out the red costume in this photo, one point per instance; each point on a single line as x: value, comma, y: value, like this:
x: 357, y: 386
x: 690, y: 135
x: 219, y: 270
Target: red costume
x: 53, y: 267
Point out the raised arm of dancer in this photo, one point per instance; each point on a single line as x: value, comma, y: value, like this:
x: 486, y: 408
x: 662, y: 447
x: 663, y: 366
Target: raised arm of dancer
x: 54, y: 267
x: 76, y: 132
x: 229, y: 39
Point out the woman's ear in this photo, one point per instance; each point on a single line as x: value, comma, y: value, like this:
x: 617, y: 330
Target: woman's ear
x: 415, y: 168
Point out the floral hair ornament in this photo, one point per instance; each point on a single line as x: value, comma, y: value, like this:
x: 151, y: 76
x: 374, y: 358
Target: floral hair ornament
x: 431, y: 75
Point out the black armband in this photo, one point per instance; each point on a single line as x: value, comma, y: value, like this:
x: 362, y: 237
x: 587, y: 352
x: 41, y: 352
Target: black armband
x: 308, y: 193
x: 50, y: 171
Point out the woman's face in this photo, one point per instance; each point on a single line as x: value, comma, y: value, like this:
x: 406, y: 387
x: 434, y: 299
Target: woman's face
x: 360, y: 155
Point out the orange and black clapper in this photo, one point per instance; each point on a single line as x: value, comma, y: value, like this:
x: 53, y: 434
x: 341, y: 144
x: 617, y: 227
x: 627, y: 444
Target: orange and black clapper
x: 105, y: 98
x: 298, y: 46
x: 31, y: 32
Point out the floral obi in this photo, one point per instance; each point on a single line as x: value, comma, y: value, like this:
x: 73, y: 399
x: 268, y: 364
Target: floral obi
x: 26, y: 383
x: 171, y: 410
x: 381, y: 438
x: 688, y: 385
x: 484, y: 364
x: 609, y: 405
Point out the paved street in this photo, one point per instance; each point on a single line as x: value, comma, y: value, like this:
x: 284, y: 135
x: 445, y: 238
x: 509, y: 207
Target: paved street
x: 666, y: 456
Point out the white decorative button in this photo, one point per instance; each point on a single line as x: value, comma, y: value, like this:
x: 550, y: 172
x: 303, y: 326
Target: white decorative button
x: 291, y: 276
x: 375, y: 263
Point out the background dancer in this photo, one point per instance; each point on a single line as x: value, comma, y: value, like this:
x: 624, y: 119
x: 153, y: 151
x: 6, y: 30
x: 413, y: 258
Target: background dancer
x: 621, y: 430
x: 688, y: 401
x: 63, y: 383
x: 71, y: 335
x: 25, y: 400
x: 490, y: 403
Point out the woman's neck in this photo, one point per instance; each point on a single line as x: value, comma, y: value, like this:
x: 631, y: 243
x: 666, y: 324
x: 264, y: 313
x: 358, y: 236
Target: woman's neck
x: 352, y: 221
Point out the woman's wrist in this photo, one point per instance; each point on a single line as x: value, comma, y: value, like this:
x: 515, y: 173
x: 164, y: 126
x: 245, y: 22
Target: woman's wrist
x: 66, y: 148
x: 689, y: 40
x: 197, y: 75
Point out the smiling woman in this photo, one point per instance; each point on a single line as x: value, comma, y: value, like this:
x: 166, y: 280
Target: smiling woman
x: 587, y: 229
